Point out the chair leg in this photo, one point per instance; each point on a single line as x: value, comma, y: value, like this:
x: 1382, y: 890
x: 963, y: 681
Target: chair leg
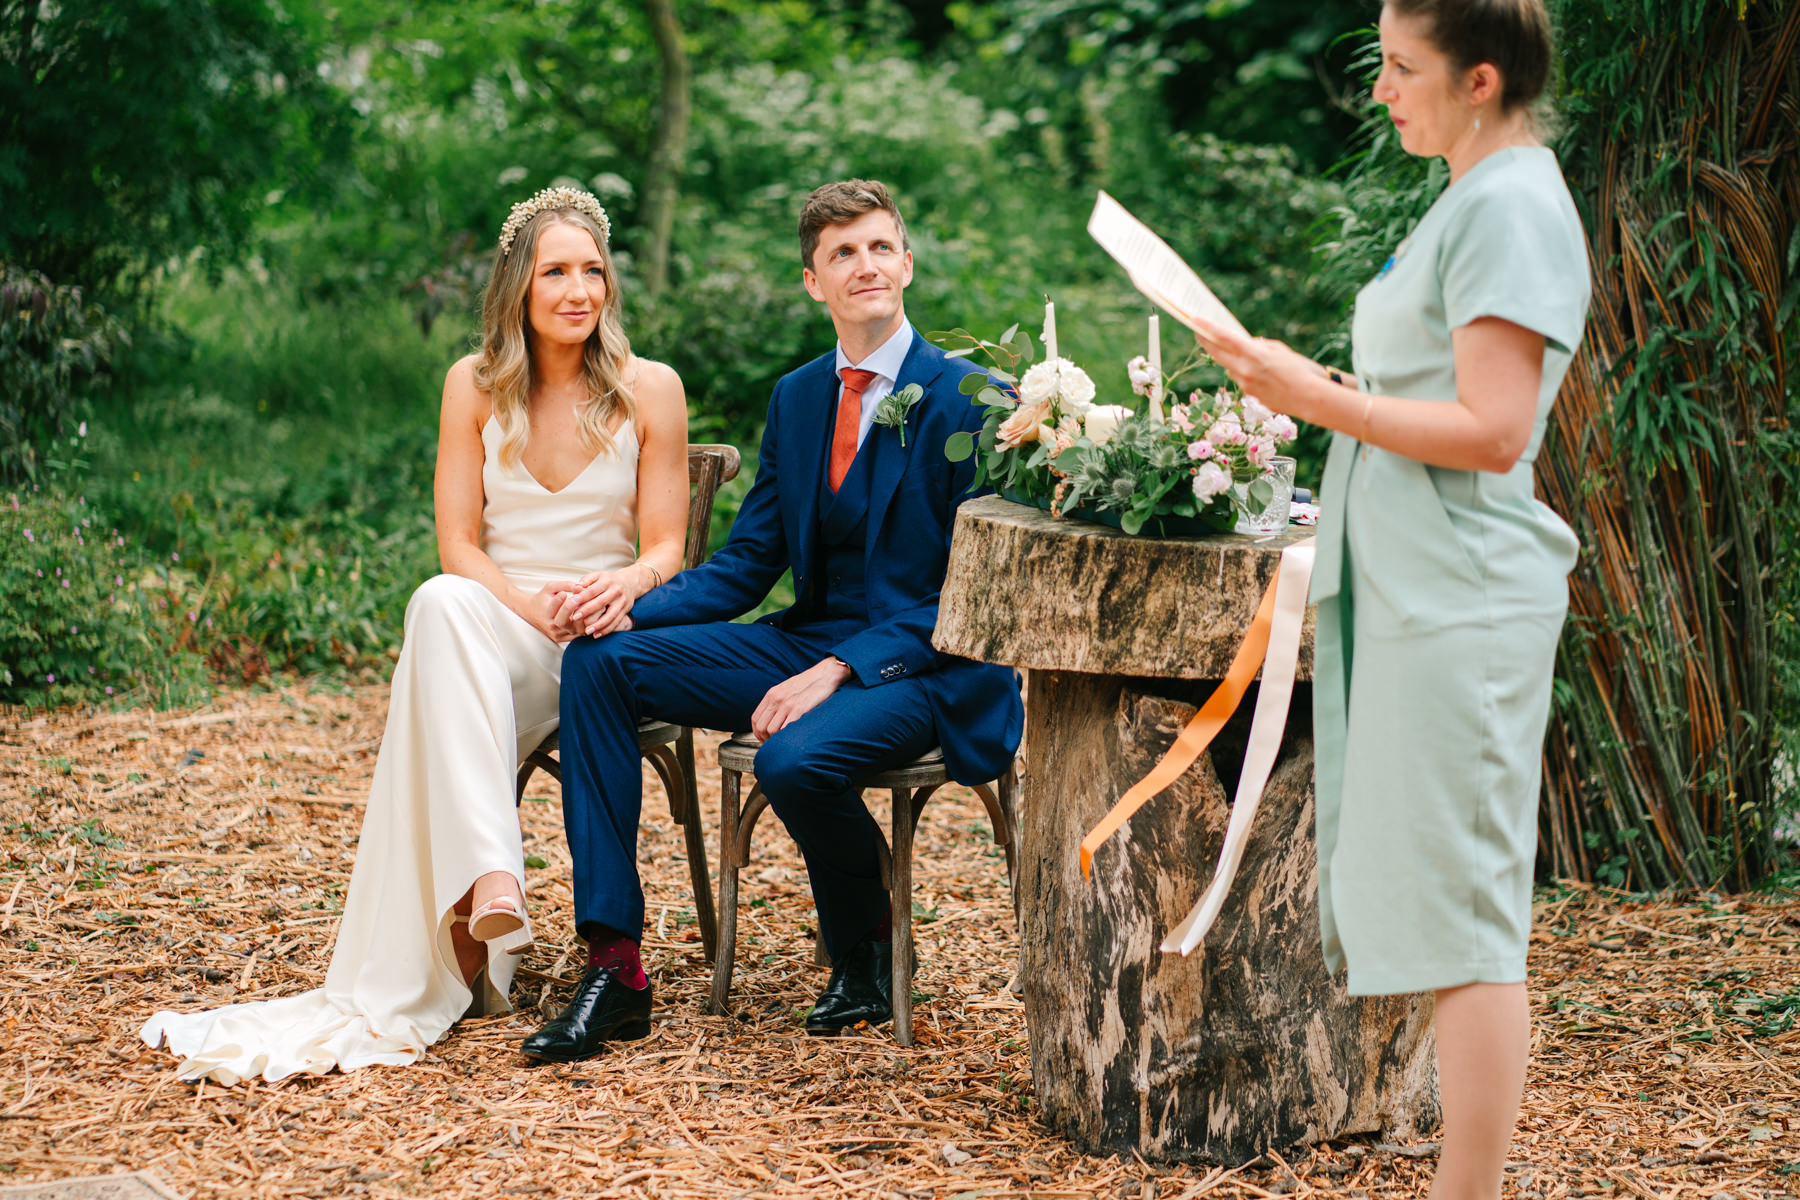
x: 1009, y: 807
x: 900, y: 897
x: 726, y: 951
x: 695, y: 836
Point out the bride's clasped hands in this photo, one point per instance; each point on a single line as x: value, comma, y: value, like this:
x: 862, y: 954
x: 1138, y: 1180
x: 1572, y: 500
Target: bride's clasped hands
x: 599, y: 603
x: 593, y: 606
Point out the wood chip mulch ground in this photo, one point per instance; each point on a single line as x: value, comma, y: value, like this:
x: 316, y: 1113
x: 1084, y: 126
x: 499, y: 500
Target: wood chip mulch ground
x: 189, y: 859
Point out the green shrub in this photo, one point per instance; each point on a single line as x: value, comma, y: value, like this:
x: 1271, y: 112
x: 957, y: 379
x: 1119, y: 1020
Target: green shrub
x: 53, y: 348
x: 83, y: 614
x: 279, y: 466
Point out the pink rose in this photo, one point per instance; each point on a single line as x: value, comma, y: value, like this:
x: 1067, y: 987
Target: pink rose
x: 1209, y: 481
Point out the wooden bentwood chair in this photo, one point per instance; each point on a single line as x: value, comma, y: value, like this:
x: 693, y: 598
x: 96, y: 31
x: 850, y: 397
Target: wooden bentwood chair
x: 910, y: 786
x: 670, y: 748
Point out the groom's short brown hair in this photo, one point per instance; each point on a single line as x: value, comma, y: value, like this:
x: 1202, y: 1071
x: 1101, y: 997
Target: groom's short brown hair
x: 839, y: 204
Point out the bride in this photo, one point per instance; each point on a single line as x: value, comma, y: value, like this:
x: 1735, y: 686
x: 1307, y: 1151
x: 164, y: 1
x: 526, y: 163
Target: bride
x: 561, y: 497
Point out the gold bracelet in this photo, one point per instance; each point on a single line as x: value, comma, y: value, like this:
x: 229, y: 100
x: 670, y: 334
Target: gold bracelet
x: 1368, y: 404
x: 654, y: 573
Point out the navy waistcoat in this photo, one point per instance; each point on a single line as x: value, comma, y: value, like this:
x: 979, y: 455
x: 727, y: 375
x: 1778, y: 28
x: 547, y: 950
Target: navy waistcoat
x: 843, y: 537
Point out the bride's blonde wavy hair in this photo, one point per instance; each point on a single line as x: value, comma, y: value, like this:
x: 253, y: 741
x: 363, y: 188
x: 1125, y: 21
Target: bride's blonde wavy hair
x: 505, y: 369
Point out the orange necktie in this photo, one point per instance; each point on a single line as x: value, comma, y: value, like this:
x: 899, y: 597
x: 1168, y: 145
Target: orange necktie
x: 849, y: 416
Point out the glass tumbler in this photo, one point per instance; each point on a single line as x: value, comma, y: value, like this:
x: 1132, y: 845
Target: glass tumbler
x: 1273, y: 516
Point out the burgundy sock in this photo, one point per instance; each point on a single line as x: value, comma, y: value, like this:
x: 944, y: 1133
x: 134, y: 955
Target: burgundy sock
x: 884, y: 928
x: 619, y: 954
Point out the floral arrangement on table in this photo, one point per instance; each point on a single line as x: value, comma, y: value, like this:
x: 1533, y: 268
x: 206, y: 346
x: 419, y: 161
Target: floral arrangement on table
x: 1046, y: 442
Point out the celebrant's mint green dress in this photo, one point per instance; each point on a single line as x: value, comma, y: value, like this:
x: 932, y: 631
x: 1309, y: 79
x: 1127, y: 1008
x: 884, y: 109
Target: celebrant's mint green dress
x: 1441, y: 594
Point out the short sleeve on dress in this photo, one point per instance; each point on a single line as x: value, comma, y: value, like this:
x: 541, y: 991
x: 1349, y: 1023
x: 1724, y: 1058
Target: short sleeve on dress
x: 1513, y: 253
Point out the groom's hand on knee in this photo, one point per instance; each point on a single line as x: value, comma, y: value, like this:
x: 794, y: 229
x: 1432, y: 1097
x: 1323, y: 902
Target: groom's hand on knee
x: 796, y: 696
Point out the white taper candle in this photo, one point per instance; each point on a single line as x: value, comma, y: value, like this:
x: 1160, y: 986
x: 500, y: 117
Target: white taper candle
x: 1156, y: 375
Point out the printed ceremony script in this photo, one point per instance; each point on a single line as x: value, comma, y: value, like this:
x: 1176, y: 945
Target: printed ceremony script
x: 1158, y: 271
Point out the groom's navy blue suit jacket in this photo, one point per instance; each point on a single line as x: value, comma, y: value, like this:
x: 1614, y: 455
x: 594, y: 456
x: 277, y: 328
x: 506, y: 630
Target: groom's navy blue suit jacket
x: 912, y: 504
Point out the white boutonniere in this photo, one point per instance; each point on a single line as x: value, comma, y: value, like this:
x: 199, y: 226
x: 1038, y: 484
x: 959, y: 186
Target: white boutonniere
x: 896, y: 406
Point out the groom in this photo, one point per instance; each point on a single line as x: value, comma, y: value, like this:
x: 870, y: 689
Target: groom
x: 840, y: 686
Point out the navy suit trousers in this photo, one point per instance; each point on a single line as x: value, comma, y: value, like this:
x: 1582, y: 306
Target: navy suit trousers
x: 713, y: 676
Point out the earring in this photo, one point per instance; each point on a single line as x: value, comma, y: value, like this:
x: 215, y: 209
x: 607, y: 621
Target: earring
x: 1477, y: 124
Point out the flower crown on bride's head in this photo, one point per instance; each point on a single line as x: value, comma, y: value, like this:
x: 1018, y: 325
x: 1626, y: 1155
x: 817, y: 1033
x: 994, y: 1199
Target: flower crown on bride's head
x: 549, y: 200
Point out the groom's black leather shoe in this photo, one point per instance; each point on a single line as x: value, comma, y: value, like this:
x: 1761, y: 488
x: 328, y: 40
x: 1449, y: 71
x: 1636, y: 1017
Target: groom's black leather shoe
x: 603, y: 1010
x: 861, y: 989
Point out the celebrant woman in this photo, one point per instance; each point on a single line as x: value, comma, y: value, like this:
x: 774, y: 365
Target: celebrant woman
x: 561, y: 496
x: 1441, y: 581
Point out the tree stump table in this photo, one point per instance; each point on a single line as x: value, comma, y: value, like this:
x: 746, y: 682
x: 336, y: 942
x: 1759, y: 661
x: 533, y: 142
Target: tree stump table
x: 1247, y: 1044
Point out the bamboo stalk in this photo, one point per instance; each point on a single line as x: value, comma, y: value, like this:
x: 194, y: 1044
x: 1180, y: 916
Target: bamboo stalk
x: 1662, y: 743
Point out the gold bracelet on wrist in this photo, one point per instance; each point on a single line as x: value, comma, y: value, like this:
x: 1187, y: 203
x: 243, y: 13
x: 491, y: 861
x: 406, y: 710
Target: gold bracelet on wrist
x: 1368, y: 406
x: 654, y: 573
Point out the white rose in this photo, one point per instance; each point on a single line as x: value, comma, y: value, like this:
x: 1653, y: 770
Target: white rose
x: 1039, y: 383
x: 1255, y: 411
x: 1077, y: 388
x: 1102, y: 421
x: 1209, y: 481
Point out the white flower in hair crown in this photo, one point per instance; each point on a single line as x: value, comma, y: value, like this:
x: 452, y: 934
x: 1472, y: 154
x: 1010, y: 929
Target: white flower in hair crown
x: 549, y: 200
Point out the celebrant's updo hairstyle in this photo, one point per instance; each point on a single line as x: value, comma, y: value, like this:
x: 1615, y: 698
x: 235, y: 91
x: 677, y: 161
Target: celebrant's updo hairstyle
x: 840, y: 204
x: 505, y: 369
x: 1514, y: 35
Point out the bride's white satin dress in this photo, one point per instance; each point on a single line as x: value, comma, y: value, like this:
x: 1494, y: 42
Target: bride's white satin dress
x: 474, y: 690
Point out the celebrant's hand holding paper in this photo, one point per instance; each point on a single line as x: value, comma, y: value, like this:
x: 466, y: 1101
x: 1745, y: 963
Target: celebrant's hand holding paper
x: 1280, y: 377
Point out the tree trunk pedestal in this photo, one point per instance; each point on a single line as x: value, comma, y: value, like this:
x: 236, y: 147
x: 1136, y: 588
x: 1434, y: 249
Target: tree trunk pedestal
x: 1246, y: 1044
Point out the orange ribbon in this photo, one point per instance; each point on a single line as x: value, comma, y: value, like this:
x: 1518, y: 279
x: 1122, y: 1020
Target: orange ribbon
x: 1200, y: 731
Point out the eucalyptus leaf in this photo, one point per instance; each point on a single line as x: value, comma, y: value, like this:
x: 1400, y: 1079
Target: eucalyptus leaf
x: 959, y: 446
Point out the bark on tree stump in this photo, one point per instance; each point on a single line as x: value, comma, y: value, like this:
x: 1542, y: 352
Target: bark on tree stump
x: 1245, y: 1045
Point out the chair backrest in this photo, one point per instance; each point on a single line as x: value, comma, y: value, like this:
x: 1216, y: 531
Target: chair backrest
x: 710, y: 466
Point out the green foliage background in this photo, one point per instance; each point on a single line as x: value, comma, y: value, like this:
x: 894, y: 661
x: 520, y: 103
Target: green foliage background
x: 293, y: 214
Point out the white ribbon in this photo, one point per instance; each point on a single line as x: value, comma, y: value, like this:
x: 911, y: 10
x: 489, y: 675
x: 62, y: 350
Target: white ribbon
x: 1266, y: 729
